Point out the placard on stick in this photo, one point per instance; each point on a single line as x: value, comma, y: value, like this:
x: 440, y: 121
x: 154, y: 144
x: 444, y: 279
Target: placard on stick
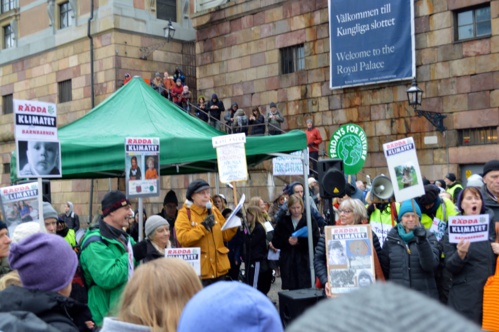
x: 142, y: 166
x: 404, y: 169
x: 231, y: 157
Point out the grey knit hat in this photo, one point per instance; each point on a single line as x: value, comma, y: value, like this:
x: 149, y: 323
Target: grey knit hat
x: 48, y: 211
x: 154, y: 222
x: 373, y: 309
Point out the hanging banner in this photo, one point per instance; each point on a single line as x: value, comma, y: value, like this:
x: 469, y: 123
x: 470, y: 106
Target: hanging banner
x: 19, y: 204
x: 288, y: 165
x: 142, y: 166
x: 231, y: 157
x: 349, y: 143
x: 404, y: 169
x: 350, y: 261
x: 371, y: 42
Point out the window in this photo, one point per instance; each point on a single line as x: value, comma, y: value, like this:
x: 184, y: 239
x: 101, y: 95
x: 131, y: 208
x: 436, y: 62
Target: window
x: 65, y: 91
x: 167, y: 10
x: 292, y: 59
x: 8, y: 104
x: 65, y: 13
x: 6, y: 5
x: 8, y: 37
x: 478, y: 136
x: 473, y: 23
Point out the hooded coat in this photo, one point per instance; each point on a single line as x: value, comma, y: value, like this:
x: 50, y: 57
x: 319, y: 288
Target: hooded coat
x: 71, y: 219
x: 56, y: 310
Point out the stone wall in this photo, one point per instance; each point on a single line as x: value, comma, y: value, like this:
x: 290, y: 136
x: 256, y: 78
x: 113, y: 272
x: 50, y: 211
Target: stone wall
x: 238, y: 58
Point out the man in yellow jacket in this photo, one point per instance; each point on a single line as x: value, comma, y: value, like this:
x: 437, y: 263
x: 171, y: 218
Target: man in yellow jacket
x: 198, y: 226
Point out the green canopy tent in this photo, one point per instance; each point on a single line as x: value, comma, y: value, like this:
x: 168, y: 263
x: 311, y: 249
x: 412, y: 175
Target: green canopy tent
x: 93, y: 146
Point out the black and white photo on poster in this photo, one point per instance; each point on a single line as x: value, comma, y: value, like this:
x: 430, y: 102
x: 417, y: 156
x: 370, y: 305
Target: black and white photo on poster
x: 38, y: 159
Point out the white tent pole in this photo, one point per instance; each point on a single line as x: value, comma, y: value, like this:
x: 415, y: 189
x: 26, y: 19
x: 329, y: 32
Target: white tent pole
x: 141, y: 216
x: 40, y: 205
x: 309, y: 217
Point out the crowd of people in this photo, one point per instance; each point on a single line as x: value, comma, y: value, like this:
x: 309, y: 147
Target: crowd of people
x: 115, y: 278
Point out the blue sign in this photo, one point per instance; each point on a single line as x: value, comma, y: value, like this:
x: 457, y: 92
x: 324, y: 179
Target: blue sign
x: 371, y: 42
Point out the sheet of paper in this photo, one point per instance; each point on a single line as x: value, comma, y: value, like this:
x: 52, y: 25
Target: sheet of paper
x: 273, y: 256
x: 233, y: 220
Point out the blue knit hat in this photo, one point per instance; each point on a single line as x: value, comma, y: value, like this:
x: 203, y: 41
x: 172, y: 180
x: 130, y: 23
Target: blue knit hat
x: 406, y: 206
x: 228, y: 306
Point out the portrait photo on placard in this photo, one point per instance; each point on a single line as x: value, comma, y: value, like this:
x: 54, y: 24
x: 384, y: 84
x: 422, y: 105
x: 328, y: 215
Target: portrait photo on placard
x: 39, y: 159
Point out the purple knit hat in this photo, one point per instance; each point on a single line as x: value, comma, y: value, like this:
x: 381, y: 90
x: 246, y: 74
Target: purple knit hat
x: 44, y: 261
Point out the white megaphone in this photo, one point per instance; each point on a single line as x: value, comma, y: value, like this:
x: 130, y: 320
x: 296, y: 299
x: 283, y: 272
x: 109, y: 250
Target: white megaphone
x: 382, y: 187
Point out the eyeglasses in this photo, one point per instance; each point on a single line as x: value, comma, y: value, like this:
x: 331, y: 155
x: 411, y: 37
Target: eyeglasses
x: 345, y: 211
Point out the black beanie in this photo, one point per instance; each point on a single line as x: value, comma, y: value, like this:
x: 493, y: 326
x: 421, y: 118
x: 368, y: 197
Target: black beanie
x: 2, y: 225
x: 492, y: 165
x: 430, y: 196
x: 112, y: 201
x: 170, y: 197
x: 196, y: 186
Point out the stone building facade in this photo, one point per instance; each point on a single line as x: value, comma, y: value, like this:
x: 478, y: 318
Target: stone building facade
x: 45, y: 43
x: 239, y: 56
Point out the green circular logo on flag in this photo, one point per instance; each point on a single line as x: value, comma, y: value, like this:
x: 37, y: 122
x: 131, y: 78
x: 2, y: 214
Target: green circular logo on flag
x: 349, y: 143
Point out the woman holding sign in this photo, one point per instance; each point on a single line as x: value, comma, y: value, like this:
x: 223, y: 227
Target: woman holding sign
x: 470, y: 263
x: 411, y: 254
x: 293, y: 259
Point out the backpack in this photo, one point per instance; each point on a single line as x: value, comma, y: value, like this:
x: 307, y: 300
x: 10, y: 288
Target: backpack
x: 80, y: 285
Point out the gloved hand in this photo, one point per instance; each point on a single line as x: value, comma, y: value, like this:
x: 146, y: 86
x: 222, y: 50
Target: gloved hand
x: 310, y: 144
x: 419, y: 233
x: 208, y: 222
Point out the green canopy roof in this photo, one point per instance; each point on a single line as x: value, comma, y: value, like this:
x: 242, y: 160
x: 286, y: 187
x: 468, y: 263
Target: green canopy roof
x: 93, y: 146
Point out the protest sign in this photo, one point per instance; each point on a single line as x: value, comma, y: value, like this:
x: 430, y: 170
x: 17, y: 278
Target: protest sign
x: 350, y: 262
x: 404, y: 169
x: 38, y: 150
x: 189, y: 255
x: 35, y: 120
x: 19, y: 204
x: 142, y: 166
x: 233, y: 220
x: 473, y: 228
x: 231, y: 157
x: 349, y: 143
x: 288, y: 165
x: 371, y: 42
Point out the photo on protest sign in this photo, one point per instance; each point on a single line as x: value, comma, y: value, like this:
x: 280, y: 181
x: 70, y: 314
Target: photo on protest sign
x: 473, y: 228
x: 403, y: 166
x: 19, y: 204
x: 38, y: 159
x: 142, y: 167
x: 192, y: 256
x: 349, y: 257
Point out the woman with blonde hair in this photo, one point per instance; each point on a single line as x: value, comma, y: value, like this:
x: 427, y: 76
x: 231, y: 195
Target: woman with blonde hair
x: 155, y: 296
x: 258, y: 271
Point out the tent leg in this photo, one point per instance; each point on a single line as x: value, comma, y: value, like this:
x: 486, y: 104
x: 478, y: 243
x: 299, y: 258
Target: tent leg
x: 309, y: 217
x: 91, y: 200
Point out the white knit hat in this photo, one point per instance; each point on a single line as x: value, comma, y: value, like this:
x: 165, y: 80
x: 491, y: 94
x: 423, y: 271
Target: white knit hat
x: 24, y: 230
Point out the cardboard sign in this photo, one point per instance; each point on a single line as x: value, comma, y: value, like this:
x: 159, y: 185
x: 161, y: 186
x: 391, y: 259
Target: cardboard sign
x: 35, y: 120
x: 19, y: 204
x: 287, y: 165
x: 469, y: 228
x: 189, y: 255
x: 142, y: 166
x: 349, y: 256
x: 404, y: 169
x: 231, y: 157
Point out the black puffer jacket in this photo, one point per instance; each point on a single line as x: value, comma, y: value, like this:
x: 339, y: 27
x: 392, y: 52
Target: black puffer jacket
x: 415, y: 270
x: 320, y: 263
x: 54, y: 309
x: 470, y: 275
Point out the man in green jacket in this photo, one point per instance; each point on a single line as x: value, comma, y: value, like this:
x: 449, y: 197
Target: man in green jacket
x: 107, y: 256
